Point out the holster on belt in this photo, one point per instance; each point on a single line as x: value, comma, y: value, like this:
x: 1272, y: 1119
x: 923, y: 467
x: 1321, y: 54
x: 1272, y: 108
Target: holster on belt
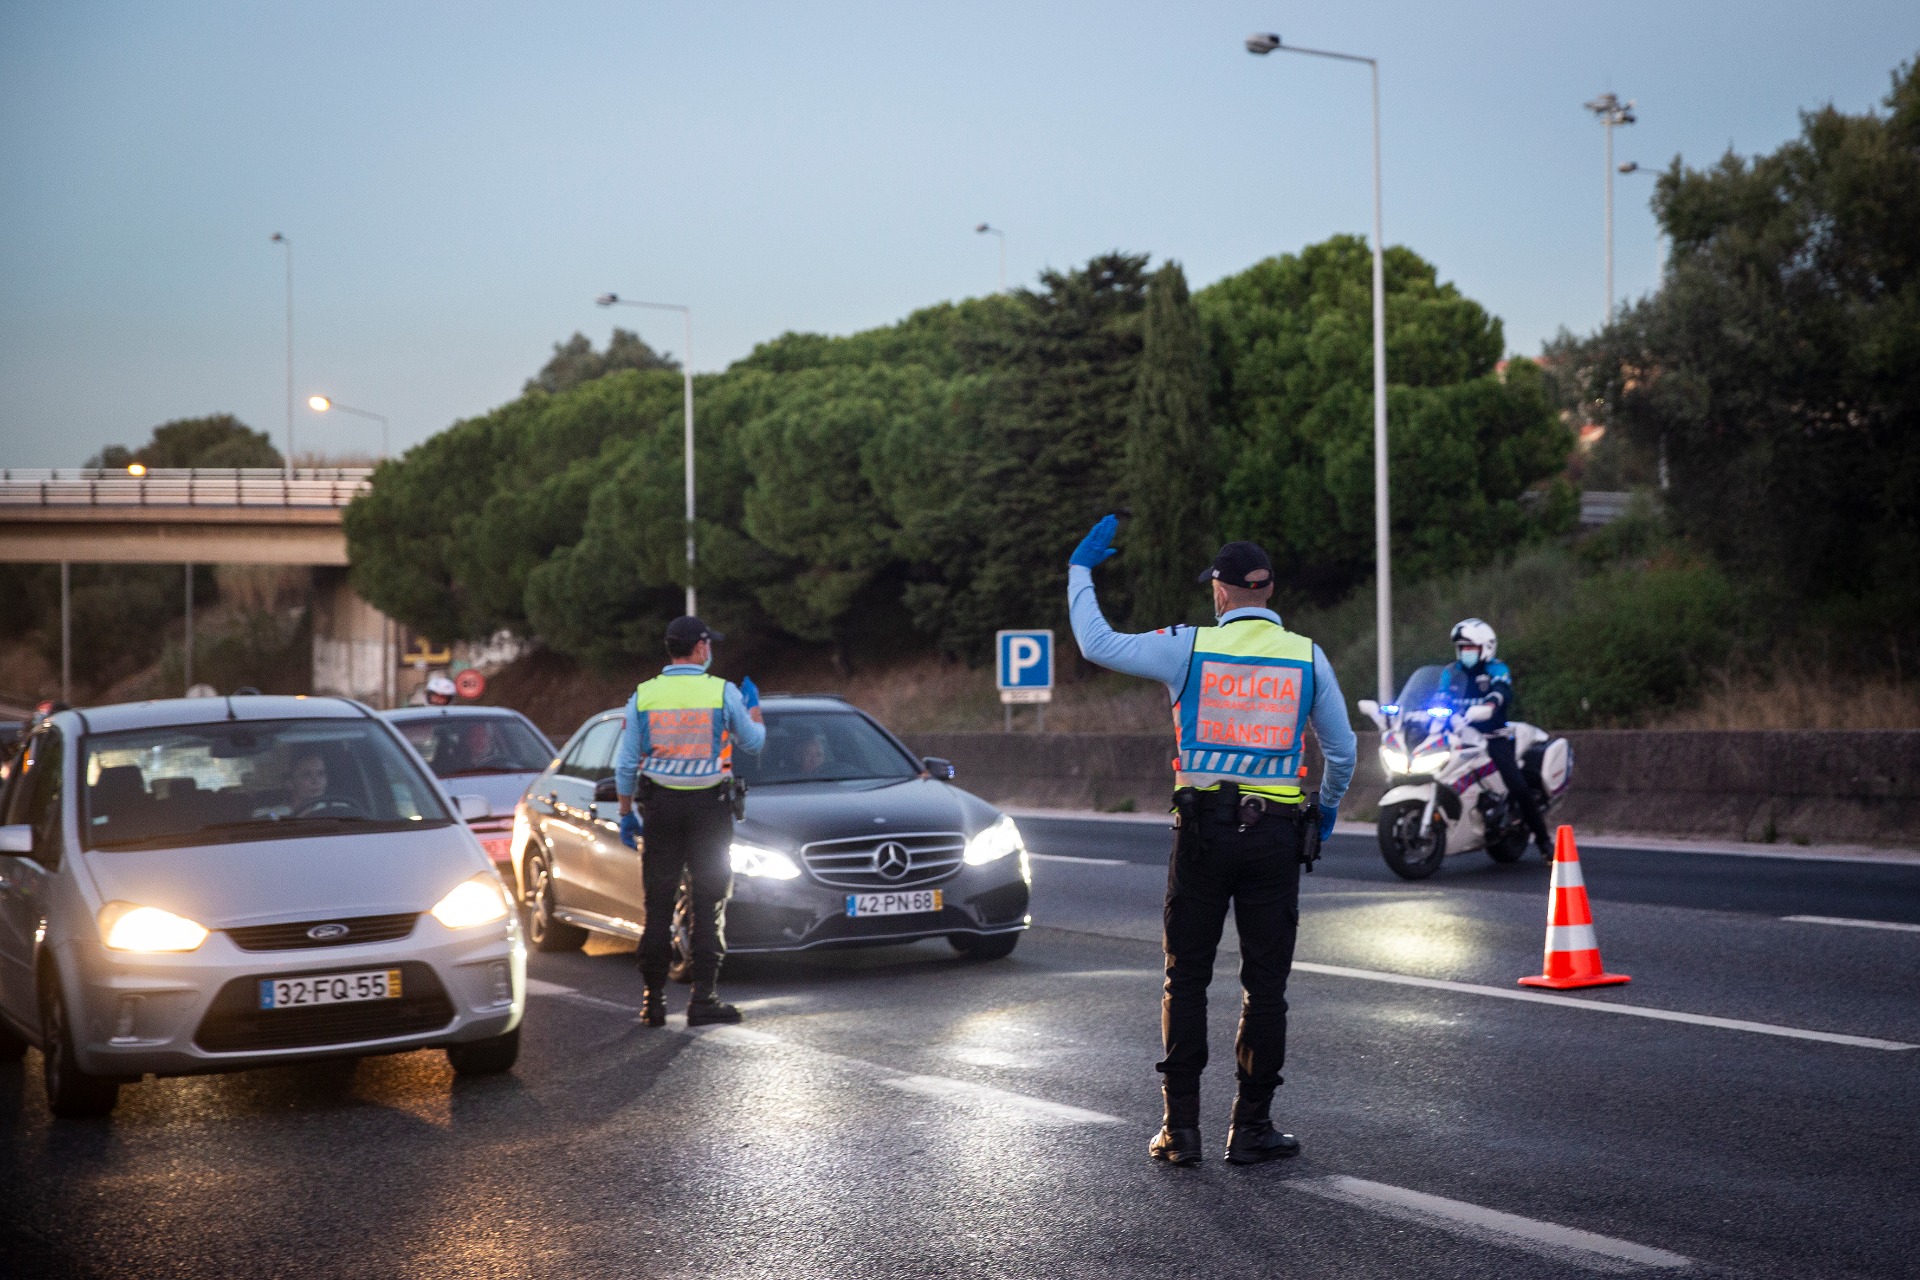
x: 737, y: 796
x: 1310, y: 831
x: 1186, y: 816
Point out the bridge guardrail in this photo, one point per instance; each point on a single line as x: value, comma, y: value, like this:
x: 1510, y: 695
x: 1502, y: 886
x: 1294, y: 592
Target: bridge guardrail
x: 182, y: 487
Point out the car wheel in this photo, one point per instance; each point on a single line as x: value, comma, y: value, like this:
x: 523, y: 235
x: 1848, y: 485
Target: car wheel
x: 680, y: 968
x: 487, y: 1057
x: 72, y: 1094
x: 993, y: 947
x: 544, y: 929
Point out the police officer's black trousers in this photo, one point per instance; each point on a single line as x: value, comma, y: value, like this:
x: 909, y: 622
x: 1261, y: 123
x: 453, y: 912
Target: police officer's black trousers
x: 688, y: 833
x: 1501, y: 752
x: 1257, y: 871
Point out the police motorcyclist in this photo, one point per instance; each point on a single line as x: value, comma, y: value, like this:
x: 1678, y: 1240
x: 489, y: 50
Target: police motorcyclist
x: 441, y: 691
x: 1243, y: 692
x: 677, y: 748
x: 1483, y: 688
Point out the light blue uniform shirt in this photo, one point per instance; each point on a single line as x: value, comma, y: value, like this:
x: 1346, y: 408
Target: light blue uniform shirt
x: 1165, y: 655
x: 633, y: 748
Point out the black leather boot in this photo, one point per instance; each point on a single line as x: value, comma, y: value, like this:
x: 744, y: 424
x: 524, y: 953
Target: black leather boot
x: 706, y: 1008
x: 1178, y: 1141
x: 1253, y: 1138
x: 653, y: 1008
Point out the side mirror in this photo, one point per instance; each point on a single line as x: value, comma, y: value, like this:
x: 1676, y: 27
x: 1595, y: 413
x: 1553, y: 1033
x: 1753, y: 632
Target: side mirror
x: 938, y: 769
x: 472, y: 807
x: 17, y: 839
x: 606, y: 791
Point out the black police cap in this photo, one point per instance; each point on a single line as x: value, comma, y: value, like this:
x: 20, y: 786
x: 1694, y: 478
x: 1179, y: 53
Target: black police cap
x: 1241, y: 564
x: 685, y: 632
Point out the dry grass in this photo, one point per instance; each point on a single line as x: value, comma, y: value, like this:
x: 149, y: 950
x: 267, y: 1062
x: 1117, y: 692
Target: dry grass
x: 1799, y: 699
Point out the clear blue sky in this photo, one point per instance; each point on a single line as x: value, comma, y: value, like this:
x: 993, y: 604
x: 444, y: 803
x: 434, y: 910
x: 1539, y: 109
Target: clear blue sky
x: 460, y: 180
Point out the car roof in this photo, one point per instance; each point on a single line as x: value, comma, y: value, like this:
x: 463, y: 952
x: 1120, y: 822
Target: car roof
x: 425, y: 713
x: 162, y: 712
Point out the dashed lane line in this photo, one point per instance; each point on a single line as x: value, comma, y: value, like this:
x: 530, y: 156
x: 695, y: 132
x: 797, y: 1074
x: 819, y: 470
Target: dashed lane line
x: 1038, y: 1110
x: 1630, y: 1010
x: 1085, y: 862
x: 1855, y: 924
x: 1549, y: 1239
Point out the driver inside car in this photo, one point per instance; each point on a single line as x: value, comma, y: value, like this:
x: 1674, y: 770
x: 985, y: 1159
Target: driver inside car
x: 307, y: 784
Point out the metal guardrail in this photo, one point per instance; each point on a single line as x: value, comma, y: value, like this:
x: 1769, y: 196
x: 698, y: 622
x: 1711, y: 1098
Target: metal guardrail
x: 1599, y: 506
x: 182, y: 487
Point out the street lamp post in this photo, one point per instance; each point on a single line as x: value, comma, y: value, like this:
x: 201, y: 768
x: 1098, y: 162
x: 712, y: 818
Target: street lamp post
x: 986, y: 229
x: 1612, y: 113
x: 686, y: 371
x: 322, y: 404
x: 1265, y: 43
x: 281, y: 240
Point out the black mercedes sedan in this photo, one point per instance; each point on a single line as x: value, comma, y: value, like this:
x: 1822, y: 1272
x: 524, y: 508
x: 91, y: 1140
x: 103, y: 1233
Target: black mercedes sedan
x: 848, y: 840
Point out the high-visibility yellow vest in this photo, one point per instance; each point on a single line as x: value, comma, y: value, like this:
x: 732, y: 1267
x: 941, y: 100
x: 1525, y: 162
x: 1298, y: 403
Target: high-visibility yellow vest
x: 1244, y: 707
x: 688, y: 745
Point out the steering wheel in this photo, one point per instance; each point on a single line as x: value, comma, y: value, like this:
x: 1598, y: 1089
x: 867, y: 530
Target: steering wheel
x: 331, y: 807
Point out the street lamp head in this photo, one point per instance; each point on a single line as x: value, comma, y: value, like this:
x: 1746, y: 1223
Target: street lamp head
x: 319, y: 404
x: 1631, y: 166
x: 606, y: 299
x: 982, y: 229
x: 1263, y: 42
x: 277, y: 238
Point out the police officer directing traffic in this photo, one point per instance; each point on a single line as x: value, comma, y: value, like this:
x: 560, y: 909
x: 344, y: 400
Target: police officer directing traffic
x: 1243, y: 692
x: 676, y: 756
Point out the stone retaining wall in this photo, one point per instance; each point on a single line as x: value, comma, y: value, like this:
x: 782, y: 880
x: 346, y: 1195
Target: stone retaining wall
x: 1809, y: 786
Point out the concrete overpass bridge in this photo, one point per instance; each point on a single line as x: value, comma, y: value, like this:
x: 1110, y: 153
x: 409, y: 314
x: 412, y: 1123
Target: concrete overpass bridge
x: 210, y: 516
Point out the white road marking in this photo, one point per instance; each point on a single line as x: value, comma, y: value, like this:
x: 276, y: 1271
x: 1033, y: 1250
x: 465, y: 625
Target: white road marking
x: 537, y: 987
x: 1569, y: 1244
x: 1631, y: 1010
x: 1038, y: 1110
x: 1854, y: 924
x: 1085, y: 862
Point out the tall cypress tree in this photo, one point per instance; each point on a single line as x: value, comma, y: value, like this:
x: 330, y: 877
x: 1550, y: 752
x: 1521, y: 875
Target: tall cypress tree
x: 1170, y: 469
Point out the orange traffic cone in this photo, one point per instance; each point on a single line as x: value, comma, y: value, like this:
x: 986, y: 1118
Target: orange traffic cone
x: 1573, y: 953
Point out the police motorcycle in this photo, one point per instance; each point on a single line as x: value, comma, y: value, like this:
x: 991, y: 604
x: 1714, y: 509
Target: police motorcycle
x: 1444, y: 794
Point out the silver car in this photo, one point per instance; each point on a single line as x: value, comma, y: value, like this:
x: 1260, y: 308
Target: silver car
x: 222, y: 883
x: 485, y: 751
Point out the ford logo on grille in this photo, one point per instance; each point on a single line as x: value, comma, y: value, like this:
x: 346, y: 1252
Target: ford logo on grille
x: 891, y: 860
x: 328, y: 932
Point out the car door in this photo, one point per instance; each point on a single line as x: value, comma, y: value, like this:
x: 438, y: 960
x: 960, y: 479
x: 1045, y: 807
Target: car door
x: 570, y: 829
x: 615, y: 868
x: 34, y: 799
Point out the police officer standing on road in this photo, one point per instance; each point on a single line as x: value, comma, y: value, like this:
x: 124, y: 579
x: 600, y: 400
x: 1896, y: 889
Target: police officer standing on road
x: 1243, y: 692
x: 677, y: 748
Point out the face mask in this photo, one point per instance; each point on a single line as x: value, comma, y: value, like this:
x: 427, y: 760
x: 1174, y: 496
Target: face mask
x: 1469, y: 657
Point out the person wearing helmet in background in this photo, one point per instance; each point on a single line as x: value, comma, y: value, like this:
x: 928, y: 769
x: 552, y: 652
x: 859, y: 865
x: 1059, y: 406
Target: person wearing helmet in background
x: 1484, y: 689
x: 440, y: 691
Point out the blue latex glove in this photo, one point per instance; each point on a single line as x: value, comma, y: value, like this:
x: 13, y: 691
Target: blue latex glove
x: 750, y: 693
x: 1097, y: 545
x: 1327, y: 818
x: 630, y: 830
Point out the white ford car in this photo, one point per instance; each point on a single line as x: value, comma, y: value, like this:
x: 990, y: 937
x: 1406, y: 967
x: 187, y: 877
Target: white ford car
x: 222, y: 883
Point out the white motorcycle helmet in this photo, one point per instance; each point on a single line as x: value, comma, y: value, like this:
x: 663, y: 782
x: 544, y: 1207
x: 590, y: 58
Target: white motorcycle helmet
x: 440, y: 690
x: 1474, y: 637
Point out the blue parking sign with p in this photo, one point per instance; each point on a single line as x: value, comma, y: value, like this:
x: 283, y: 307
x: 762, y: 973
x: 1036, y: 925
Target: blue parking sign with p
x: 1025, y: 660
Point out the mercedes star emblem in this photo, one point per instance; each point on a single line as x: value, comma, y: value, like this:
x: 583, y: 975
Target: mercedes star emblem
x: 891, y: 860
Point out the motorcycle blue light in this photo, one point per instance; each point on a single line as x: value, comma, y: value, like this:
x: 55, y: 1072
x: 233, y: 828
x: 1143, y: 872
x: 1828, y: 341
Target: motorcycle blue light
x: 1439, y: 713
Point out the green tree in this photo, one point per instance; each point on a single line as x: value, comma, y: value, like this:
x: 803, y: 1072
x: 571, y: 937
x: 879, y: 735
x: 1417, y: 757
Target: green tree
x: 1292, y: 338
x: 1778, y: 365
x: 1171, y: 470
x: 575, y: 362
x: 217, y: 440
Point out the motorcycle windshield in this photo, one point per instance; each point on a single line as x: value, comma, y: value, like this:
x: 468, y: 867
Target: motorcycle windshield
x: 1422, y: 690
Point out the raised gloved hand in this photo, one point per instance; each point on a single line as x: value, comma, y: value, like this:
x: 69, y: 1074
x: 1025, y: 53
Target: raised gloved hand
x: 1479, y: 711
x: 630, y: 830
x: 1097, y: 545
x: 1327, y: 818
x: 750, y: 692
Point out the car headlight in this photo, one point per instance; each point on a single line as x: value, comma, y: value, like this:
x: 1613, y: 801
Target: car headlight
x: 995, y: 843
x: 127, y: 926
x: 1393, y: 761
x: 753, y: 860
x: 472, y: 902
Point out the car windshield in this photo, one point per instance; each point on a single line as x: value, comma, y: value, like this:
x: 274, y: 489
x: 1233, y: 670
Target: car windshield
x: 822, y: 746
x: 459, y: 746
x: 250, y: 780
